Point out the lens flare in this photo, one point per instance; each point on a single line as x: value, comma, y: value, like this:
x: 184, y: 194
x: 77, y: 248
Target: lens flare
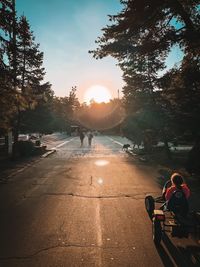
x: 101, y: 162
x: 97, y: 93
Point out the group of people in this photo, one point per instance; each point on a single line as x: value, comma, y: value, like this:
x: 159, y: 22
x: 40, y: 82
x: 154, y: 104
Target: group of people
x: 89, y: 136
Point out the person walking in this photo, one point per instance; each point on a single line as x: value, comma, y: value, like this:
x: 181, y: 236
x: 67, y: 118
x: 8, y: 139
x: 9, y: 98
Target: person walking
x: 90, y: 136
x: 82, y: 136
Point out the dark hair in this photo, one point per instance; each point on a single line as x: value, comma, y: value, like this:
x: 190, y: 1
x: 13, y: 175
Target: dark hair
x: 177, y: 179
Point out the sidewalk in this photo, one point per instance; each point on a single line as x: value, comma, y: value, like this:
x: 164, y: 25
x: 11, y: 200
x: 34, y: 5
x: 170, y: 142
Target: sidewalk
x: 8, y: 167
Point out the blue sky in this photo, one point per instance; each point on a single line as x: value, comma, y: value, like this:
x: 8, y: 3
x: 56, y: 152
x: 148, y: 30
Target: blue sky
x: 66, y: 30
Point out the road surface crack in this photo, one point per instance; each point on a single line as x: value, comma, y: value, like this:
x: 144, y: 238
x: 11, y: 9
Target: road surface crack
x: 135, y: 196
x: 29, y: 256
x: 61, y: 226
x: 91, y: 181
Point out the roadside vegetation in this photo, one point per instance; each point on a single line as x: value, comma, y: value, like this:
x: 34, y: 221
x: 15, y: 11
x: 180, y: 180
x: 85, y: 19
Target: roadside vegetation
x: 158, y: 99
x: 27, y: 102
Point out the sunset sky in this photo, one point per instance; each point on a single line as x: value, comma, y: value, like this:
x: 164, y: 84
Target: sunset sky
x: 66, y: 30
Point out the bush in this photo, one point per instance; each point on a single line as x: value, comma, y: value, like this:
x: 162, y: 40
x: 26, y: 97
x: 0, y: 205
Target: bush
x: 25, y: 148
x: 37, y: 143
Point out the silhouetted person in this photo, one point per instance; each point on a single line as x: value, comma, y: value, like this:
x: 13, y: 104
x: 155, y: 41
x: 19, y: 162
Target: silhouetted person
x: 176, y: 193
x: 90, y: 136
x: 82, y: 136
x: 175, y: 183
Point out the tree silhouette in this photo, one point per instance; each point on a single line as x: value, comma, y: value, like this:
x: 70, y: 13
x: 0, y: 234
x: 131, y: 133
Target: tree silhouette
x: 140, y: 38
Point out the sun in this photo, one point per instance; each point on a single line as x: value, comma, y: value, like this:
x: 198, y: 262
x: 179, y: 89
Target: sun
x: 98, y: 93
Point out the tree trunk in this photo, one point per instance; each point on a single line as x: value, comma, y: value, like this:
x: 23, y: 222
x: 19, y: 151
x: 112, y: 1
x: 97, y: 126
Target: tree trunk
x: 167, y: 150
x: 14, y: 66
x: 16, y: 135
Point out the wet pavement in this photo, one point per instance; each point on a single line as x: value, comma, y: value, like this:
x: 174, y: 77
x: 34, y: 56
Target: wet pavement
x: 84, y: 206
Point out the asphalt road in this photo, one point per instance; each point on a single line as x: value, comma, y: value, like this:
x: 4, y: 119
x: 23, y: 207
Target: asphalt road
x: 84, y: 206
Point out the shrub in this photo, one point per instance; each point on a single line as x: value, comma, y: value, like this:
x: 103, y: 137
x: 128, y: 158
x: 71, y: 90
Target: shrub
x: 25, y: 148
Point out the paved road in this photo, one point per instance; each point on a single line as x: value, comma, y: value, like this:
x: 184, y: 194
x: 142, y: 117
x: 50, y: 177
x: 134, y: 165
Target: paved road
x: 84, y: 206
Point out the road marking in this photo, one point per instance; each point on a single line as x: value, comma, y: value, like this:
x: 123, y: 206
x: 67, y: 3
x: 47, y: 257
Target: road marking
x: 62, y: 144
x: 53, y: 149
x: 48, y: 153
x: 99, y: 232
x: 115, y: 141
x: 15, y: 172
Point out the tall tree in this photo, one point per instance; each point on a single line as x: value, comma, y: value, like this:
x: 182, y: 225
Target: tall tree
x: 73, y: 103
x: 31, y: 72
x: 40, y: 118
x: 7, y: 92
x: 181, y: 89
x: 21, y: 67
x: 141, y: 37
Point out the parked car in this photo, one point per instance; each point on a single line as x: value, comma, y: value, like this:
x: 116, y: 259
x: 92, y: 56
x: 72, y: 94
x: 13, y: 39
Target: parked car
x: 35, y: 138
x: 23, y: 137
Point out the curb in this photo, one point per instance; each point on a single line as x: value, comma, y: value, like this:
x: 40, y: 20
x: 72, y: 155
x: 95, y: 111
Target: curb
x: 53, y: 150
x: 48, y: 153
x: 143, y: 159
x: 131, y: 153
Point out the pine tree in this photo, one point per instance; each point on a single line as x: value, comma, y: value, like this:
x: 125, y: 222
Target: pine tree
x: 7, y: 91
x: 31, y: 72
x: 21, y: 82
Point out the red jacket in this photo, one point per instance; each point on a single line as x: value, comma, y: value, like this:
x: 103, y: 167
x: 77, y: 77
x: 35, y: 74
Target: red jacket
x: 173, y: 188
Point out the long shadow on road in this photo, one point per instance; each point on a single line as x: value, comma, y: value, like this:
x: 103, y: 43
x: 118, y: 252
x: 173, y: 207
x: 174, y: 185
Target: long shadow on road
x: 188, y: 256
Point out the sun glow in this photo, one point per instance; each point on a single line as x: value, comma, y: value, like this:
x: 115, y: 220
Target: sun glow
x: 98, y: 93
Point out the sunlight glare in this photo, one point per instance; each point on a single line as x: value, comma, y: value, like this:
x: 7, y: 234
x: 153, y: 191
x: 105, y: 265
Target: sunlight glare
x: 101, y: 162
x: 98, y: 93
x: 100, y: 181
